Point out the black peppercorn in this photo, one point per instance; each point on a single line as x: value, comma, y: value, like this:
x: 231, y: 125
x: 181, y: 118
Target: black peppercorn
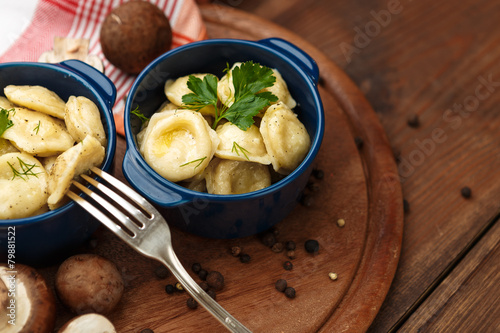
x: 211, y: 293
x: 235, y: 251
x: 312, y: 246
x: 215, y: 280
x: 268, y: 239
x: 413, y: 121
x: 202, y: 274
x: 290, y: 245
x: 203, y: 285
x: 291, y: 254
x: 287, y: 265
x: 196, y: 268
x: 318, y: 173
x: 245, y: 258
x: 147, y: 330
x: 191, y: 303
x: 277, y: 248
x: 314, y: 187
x: 280, y: 285
x: 169, y: 289
x: 290, y: 292
x: 466, y: 192
x: 161, y: 272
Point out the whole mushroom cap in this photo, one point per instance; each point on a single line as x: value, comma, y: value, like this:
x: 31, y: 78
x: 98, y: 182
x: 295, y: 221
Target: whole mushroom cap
x: 134, y: 34
x: 31, y: 303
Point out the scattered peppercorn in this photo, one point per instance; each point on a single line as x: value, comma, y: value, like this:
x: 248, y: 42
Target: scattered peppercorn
x: 333, y: 276
x: 161, y: 272
x: 202, y: 274
x: 406, y: 206
x: 179, y: 286
x: 413, y: 121
x: 359, y: 142
x: 169, y: 289
x: 268, y: 239
x: 306, y: 200
x: 147, y: 330
x: 196, y: 267
x: 203, y: 285
x: 215, y: 280
x: 290, y: 292
x: 290, y: 245
x: 466, y: 192
x: 291, y: 254
x: 277, y: 247
x: 312, y: 246
x: 341, y: 223
x: 245, y: 258
x: 235, y: 251
x: 287, y: 265
x: 318, y: 173
x: 212, y: 294
x: 313, y: 186
x: 191, y: 303
x: 280, y: 285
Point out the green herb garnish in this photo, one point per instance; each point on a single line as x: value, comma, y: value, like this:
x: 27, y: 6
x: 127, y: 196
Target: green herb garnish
x: 37, y: 128
x: 248, y: 80
x: 5, y: 122
x: 26, y: 170
x: 200, y: 160
x: 237, y: 147
x: 139, y: 114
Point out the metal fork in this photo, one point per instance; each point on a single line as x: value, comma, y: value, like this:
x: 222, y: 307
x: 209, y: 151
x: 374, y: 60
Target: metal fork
x: 147, y: 233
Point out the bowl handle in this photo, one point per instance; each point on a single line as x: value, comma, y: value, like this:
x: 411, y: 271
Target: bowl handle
x: 149, y: 186
x: 99, y: 81
x: 300, y: 57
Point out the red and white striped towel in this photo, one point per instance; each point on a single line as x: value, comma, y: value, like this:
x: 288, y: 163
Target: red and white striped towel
x: 82, y: 19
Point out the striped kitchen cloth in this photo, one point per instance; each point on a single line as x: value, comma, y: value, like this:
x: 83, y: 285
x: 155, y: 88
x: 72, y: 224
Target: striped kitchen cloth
x: 82, y: 19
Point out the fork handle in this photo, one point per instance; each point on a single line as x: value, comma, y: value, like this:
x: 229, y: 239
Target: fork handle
x: 169, y: 259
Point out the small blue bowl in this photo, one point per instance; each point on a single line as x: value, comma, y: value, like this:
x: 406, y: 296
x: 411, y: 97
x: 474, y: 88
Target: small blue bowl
x: 46, y: 237
x: 224, y: 216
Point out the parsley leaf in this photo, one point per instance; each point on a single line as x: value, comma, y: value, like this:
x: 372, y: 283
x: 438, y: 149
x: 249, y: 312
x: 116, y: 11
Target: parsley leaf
x: 5, y: 122
x: 138, y: 113
x: 248, y: 80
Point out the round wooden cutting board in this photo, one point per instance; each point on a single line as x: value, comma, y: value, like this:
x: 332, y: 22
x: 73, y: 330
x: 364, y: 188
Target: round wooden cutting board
x: 360, y: 185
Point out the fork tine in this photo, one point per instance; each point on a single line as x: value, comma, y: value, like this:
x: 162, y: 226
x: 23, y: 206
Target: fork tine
x: 124, y: 219
x: 133, y: 195
x: 99, y: 216
x: 131, y: 209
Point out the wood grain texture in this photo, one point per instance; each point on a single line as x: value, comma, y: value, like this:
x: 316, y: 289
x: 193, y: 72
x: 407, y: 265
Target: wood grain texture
x: 430, y: 60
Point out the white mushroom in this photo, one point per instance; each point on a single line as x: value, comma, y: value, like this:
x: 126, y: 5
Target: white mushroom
x: 30, y: 303
x: 88, y: 323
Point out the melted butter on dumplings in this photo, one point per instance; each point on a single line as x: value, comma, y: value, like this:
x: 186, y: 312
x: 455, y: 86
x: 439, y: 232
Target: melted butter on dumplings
x: 24, y: 194
x: 285, y: 137
x: 178, y: 144
x: 236, y: 177
x: 239, y: 145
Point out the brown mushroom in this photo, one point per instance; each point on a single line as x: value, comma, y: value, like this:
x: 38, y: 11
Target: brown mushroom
x: 30, y: 304
x: 88, y: 323
x: 89, y: 283
x: 134, y: 34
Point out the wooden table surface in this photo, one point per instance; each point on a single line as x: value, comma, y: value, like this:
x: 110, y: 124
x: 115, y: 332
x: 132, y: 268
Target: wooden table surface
x: 436, y: 66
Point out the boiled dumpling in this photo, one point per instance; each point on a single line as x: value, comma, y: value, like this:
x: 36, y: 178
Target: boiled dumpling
x: 7, y: 147
x: 286, y: 139
x: 178, y: 144
x: 235, y: 177
x: 239, y: 145
x: 175, y: 89
x: 36, y: 98
x: 83, y: 118
x: 5, y: 103
x: 70, y: 164
x: 37, y: 133
x: 23, y: 181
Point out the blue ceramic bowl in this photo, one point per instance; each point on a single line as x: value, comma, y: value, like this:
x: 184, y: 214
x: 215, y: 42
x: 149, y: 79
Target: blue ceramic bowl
x: 224, y: 216
x: 45, y: 237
